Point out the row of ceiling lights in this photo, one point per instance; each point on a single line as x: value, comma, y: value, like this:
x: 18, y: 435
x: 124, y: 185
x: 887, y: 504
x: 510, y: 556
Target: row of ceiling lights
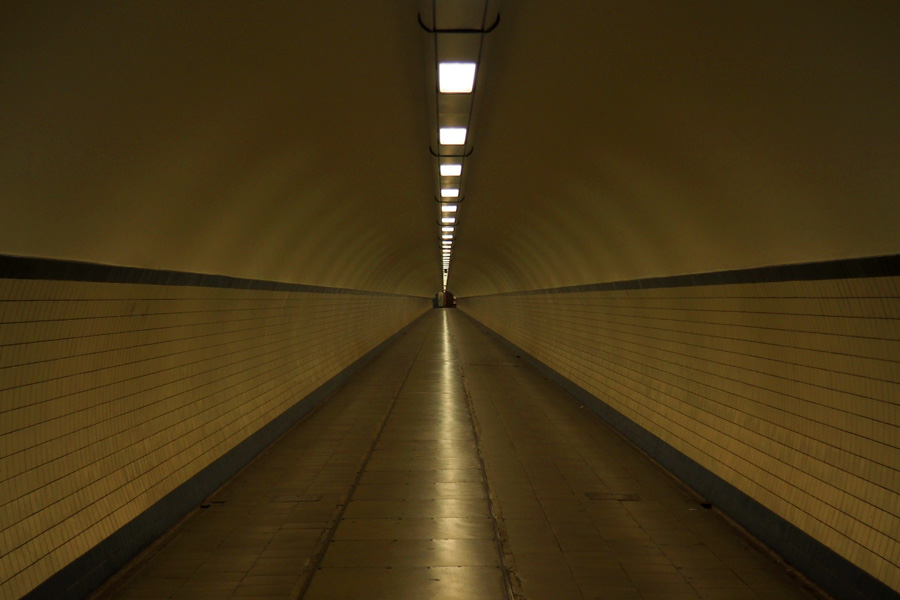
x: 453, y: 78
x: 457, y: 51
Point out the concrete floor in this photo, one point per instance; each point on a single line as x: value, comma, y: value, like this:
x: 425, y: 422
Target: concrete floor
x: 449, y: 469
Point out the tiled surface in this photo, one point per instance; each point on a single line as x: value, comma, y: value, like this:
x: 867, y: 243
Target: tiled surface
x: 261, y: 533
x: 394, y: 502
x: 788, y: 391
x: 586, y: 515
x: 418, y: 524
x: 112, y: 395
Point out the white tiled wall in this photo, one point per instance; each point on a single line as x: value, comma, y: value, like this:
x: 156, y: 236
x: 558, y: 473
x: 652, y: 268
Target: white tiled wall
x: 111, y: 395
x: 788, y: 391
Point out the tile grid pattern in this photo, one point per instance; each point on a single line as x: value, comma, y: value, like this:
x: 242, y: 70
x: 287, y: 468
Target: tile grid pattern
x: 786, y: 390
x: 111, y: 395
x: 392, y: 465
x: 262, y: 533
x: 418, y: 522
x: 586, y: 515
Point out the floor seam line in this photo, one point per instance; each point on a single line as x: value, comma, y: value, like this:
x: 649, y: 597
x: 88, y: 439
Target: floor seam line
x: 509, y: 588
x: 300, y: 593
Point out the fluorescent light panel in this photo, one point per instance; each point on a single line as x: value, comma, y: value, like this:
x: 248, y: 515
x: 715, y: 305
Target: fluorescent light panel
x: 447, y: 228
x: 453, y: 136
x: 456, y: 78
x: 448, y: 220
x: 449, y: 192
x: 451, y: 170
x: 449, y: 207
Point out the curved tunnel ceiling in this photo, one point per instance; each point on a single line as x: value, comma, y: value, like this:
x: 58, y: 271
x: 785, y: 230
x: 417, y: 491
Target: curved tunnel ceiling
x: 288, y: 140
x: 271, y: 140
x: 621, y: 140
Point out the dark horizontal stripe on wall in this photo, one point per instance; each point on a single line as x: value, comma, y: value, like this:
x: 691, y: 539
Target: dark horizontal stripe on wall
x: 20, y: 267
x: 87, y: 572
x: 833, y: 573
x: 849, y: 268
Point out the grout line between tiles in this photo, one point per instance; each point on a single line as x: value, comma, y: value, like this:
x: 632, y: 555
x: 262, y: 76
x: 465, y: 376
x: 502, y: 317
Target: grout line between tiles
x: 312, y: 566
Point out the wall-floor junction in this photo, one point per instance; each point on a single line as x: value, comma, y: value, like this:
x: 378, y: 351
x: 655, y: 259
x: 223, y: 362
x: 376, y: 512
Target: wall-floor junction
x: 114, y: 395
x: 786, y: 391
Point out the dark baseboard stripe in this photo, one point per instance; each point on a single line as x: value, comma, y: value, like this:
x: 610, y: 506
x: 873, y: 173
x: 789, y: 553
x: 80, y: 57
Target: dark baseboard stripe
x: 833, y: 573
x: 848, y: 268
x: 86, y: 573
x: 21, y: 267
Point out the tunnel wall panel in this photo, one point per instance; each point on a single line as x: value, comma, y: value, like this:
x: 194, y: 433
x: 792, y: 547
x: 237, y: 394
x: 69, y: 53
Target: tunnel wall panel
x: 786, y: 391
x: 113, y: 395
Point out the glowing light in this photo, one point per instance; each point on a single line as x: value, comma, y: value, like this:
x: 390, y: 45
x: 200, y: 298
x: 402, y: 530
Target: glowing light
x: 456, y: 78
x: 449, y: 208
x: 449, y: 192
x: 451, y: 170
x: 453, y: 136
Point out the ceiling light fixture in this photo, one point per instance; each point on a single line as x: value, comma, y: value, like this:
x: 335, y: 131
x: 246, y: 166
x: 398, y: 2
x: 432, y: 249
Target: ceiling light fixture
x: 453, y: 136
x: 449, y: 229
x: 448, y: 220
x: 451, y: 170
x: 449, y: 192
x: 456, y: 78
x: 449, y: 207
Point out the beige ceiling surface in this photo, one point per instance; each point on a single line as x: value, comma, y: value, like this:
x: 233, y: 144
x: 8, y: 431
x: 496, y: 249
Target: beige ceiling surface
x: 275, y: 140
x: 620, y: 140
x: 288, y: 140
